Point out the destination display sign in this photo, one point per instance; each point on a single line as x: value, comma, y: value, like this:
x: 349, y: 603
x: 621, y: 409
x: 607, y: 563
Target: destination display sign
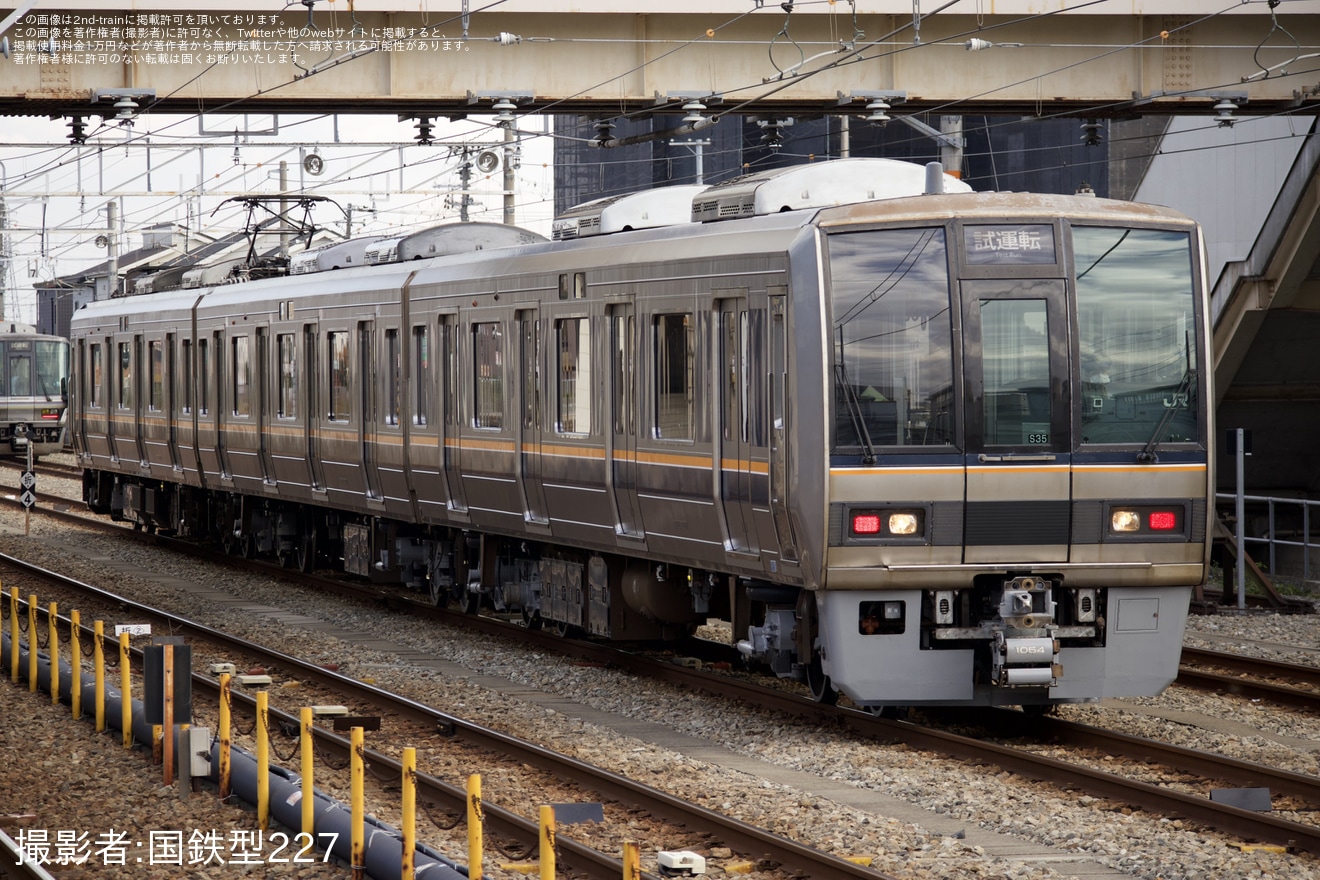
x: 1015, y: 245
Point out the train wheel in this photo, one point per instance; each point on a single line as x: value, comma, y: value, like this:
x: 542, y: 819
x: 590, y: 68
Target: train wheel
x: 247, y: 546
x: 305, y: 553
x: 822, y: 691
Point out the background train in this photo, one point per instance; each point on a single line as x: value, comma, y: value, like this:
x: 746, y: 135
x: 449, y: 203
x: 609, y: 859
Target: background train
x: 918, y: 445
x: 34, y: 384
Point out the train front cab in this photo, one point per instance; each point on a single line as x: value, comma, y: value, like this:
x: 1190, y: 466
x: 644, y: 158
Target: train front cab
x: 1018, y: 483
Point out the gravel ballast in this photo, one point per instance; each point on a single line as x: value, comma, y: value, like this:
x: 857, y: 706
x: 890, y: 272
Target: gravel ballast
x: 66, y: 793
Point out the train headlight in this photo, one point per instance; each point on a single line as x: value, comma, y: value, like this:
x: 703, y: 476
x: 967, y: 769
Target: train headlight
x: 1125, y: 521
x: 902, y: 524
x: 50, y: 414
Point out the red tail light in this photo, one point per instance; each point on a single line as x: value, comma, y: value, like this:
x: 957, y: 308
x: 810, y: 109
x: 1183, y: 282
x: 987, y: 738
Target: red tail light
x: 1163, y: 521
x: 866, y: 524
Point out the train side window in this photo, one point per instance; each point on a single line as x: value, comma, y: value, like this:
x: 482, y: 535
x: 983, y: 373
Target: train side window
x: 340, y: 377
x: 674, y: 356
x: 242, y: 377
x: 421, y: 377
x: 97, y: 375
x: 156, y: 355
x: 448, y: 360
x: 203, y: 376
x: 488, y: 376
x: 186, y: 377
x: 393, y: 376
x: 573, y: 341
x: 125, y: 375
x: 287, y: 346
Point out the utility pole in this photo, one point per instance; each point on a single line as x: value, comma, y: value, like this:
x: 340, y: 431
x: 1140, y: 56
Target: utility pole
x: 464, y: 181
x: 112, y: 273
x: 284, y: 208
x: 510, y: 181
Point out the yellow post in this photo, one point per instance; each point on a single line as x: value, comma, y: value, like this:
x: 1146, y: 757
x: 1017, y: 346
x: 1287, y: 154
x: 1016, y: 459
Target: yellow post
x: 126, y: 688
x: 53, y: 651
x: 98, y: 668
x: 75, y: 664
x: 225, y: 736
x: 13, y: 634
x: 263, y: 762
x: 308, y: 778
x: 32, y: 643
x: 358, y: 852
x: 547, y: 855
x: 474, y: 820
x: 409, y: 810
x: 632, y: 861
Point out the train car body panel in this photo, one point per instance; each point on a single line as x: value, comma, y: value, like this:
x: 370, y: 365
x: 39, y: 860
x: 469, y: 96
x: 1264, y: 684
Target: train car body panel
x: 946, y: 449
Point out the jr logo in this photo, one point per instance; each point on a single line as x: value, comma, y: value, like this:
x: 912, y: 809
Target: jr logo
x: 1179, y: 401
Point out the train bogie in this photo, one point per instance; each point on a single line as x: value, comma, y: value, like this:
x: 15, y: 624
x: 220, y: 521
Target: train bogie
x: 948, y: 449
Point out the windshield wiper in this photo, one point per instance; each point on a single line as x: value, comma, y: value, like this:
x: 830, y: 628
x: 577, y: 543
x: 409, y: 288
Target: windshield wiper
x: 855, y: 410
x: 1181, y: 398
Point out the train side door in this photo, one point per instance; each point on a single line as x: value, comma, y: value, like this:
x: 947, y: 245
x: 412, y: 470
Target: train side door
x: 262, y: 405
x: 141, y: 379
x: 623, y: 408
x: 367, y: 433
x: 451, y: 440
x: 779, y: 420
x: 171, y: 401
x: 1018, y: 426
x: 530, y: 417
x: 314, y: 409
x: 735, y: 421
x: 222, y: 417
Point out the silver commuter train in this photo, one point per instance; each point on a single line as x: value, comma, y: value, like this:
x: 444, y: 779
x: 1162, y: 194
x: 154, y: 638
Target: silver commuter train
x: 935, y: 449
x: 34, y: 383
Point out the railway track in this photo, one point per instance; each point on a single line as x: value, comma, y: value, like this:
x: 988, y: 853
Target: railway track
x: 1284, y: 684
x: 1068, y: 775
x: 739, y: 836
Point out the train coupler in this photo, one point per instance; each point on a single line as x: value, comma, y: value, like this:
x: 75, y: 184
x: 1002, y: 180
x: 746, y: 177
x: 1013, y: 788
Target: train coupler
x: 1025, y: 662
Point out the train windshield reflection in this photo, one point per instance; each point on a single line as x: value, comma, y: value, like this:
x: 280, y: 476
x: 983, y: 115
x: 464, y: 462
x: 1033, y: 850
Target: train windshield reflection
x: 1137, y: 325
x: 891, y: 339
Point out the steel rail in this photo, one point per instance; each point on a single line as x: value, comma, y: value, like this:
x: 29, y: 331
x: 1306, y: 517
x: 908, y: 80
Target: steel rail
x: 1228, y: 819
x: 739, y: 836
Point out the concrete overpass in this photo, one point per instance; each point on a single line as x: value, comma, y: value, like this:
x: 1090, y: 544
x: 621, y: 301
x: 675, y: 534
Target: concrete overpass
x: 1267, y: 329
x: 750, y: 57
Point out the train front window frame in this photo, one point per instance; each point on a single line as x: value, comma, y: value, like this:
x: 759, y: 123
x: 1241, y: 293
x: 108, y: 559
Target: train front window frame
x: 891, y: 340
x: 1135, y: 290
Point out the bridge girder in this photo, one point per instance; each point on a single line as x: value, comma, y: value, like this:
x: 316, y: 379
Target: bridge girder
x: 767, y: 63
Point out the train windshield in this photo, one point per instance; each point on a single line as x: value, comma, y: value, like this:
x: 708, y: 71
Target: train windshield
x: 35, y: 368
x: 892, y: 339
x: 1137, y: 335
